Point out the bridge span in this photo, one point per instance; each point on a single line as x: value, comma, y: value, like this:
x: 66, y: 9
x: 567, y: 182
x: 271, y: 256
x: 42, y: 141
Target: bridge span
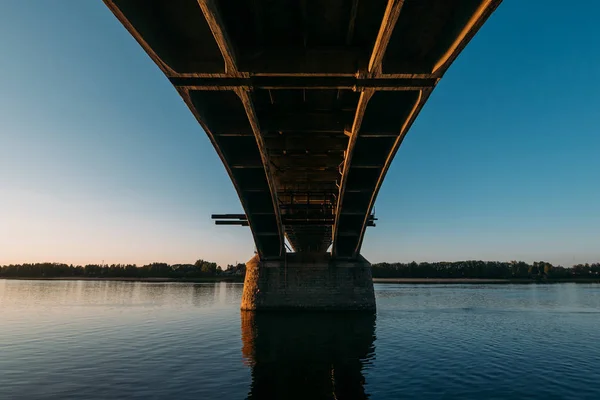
x: 306, y: 102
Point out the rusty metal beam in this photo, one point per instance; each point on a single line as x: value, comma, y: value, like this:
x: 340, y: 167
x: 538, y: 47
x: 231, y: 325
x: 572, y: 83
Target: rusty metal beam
x: 228, y: 216
x: 390, y: 17
x: 484, y: 11
x: 302, y: 82
x: 138, y: 37
x: 392, y: 12
x: 241, y: 223
x: 216, y: 25
x: 306, y: 222
x: 239, y: 190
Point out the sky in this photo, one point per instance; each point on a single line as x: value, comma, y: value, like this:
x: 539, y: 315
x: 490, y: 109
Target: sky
x: 101, y: 161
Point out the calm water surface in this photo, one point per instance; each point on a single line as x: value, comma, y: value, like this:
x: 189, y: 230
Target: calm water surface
x: 123, y: 340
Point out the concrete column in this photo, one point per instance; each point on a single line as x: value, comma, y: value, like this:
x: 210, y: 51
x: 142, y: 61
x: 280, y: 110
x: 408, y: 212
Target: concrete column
x: 308, y: 281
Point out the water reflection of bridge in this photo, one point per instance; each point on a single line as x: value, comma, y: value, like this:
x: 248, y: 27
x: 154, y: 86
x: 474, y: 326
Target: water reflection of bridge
x: 307, y: 355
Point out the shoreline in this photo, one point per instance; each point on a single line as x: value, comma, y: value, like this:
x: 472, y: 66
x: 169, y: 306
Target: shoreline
x: 240, y: 279
x: 499, y: 281
x: 127, y: 279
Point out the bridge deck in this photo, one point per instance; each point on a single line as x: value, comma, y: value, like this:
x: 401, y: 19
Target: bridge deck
x: 306, y: 102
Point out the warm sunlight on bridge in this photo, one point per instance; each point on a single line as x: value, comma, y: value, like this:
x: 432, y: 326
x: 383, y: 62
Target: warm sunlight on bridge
x: 306, y: 103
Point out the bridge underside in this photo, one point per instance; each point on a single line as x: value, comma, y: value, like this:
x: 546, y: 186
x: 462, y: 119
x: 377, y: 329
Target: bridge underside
x: 306, y: 102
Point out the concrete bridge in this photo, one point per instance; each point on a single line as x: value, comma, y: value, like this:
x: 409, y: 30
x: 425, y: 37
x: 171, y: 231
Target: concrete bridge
x: 306, y: 102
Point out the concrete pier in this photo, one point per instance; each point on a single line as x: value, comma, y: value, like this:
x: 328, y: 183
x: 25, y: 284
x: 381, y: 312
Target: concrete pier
x: 308, y: 281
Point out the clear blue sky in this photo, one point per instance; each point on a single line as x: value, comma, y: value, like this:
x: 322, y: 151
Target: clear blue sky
x: 101, y: 160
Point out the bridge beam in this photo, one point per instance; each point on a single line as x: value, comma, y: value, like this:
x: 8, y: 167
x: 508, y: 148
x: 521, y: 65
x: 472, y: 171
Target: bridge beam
x: 216, y: 26
x: 392, y: 12
x: 302, y: 82
x: 353, y: 202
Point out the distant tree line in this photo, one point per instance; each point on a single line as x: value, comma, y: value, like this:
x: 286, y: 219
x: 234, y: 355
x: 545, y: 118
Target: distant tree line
x: 199, y: 269
x: 202, y: 268
x: 485, y: 270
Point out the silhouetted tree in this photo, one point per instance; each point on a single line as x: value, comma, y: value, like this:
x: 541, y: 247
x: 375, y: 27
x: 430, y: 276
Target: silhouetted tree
x: 202, y: 268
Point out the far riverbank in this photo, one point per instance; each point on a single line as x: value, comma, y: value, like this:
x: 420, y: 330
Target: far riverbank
x: 238, y: 279
x: 481, y: 281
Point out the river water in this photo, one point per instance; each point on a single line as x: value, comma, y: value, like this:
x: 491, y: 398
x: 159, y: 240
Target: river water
x: 133, y: 340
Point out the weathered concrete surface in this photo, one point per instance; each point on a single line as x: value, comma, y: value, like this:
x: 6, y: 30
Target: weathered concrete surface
x: 308, y: 281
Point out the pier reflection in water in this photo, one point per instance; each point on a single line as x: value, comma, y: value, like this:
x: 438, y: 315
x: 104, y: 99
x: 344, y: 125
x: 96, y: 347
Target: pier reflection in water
x: 307, y: 355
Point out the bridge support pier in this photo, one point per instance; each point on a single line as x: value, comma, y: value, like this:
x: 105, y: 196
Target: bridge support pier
x: 308, y: 281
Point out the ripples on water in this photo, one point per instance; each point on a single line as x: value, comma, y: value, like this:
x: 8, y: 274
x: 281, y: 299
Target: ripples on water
x: 100, y: 340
